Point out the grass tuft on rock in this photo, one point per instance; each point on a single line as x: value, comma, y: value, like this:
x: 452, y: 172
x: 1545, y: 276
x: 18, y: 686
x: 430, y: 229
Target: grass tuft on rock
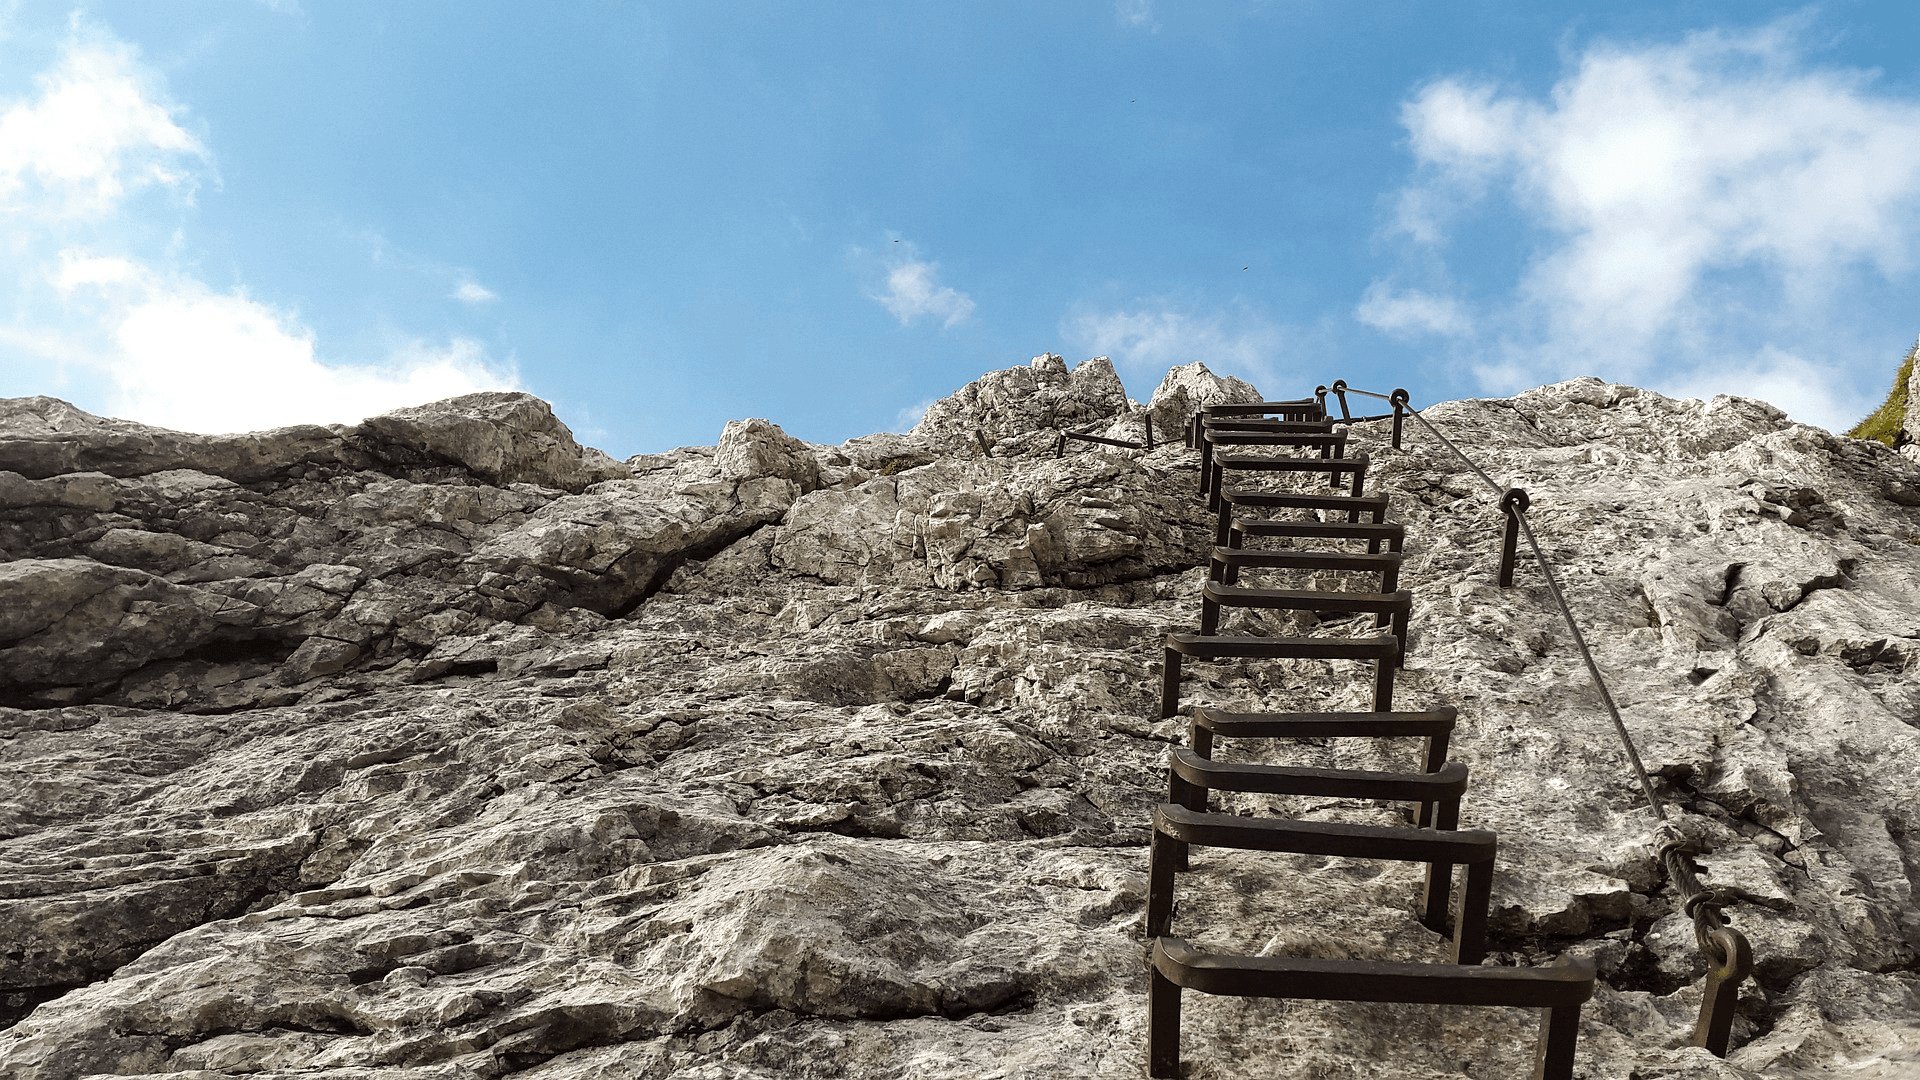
x: 1882, y: 422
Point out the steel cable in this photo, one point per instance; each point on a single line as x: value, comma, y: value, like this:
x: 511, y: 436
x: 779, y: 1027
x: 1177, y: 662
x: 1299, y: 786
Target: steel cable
x: 1553, y: 586
x: 1674, y: 848
x: 1728, y: 951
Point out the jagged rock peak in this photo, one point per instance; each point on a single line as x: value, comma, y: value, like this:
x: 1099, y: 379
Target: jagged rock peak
x: 754, y: 448
x: 1019, y: 410
x: 1189, y: 387
x: 43, y: 436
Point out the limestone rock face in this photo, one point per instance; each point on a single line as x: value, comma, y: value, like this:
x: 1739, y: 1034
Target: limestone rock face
x: 753, y: 449
x: 48, y: 437
x: 438, y: 747
x: 500, y: 437
x: 1081, y: 520
x: 1020, y: 410
x: 1190, y: 387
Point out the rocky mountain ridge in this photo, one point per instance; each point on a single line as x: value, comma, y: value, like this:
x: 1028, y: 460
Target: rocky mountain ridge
x: 440, y: 746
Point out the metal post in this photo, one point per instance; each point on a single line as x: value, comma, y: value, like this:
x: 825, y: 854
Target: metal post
x: 1555, y: 1056
x: 1399, y: 399
x: 1170, y: 686
x: 1735, y: 963
x: 1340, y: 391
x: 1383, y: 684
x: 1163, y: 1026
x: 1515, y: 502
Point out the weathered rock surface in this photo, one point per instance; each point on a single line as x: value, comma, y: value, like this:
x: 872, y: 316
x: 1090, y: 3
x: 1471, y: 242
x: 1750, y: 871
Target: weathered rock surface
x: 440, y: 747
x: 1188, y: 388
x: 1021, y: 410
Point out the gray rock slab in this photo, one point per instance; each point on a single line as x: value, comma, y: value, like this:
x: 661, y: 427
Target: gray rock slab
x: 441, y: 748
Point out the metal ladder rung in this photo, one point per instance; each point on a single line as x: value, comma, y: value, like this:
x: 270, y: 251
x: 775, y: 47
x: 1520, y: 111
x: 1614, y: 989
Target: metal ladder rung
x: 1561, y: 989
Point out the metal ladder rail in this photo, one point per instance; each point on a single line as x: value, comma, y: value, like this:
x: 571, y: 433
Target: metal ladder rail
x: 1390, y: 610
x: 1353, y: 506
x: 1240, y: 432
x: 1382, y: 650
x: 1391, y: 533
x: 1306, y: 415
x: 1335, y: 468
x: 1191, y: 775
x: 1434, y: 727
x: 1060, y: 444
x: 1560, y: 989
x: 1300, y: 410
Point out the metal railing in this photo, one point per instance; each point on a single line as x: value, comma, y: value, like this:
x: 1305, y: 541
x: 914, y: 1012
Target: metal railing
x: 1146, y: 443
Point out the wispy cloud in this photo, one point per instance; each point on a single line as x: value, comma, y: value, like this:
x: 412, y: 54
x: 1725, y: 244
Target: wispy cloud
x: 1411, y: 312
x: 1136, y: 14
x: 99, y: 308
x: 1148, y: 337
x: 1701, y: 209
x: 472, y: 292
x: 1802, y: 388
x: 914, y: 290
x: 906, y: 418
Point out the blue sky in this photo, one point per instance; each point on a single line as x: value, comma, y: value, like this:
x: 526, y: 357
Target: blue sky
x: 229, y: 215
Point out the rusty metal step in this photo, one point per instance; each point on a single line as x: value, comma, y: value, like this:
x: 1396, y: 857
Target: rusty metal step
x: 1382, y: 650
x: 1331, y: 444
x: 1352, y: 506
x: 1392, y: 534
x: 1435, y: 726
x: 1392, y: 609
x: 1335, y: 468
x: 1191, y: 777
x: 1226, y: 563
x: 1175, y: 828
x: 1223, y: 430
x: 1561, y: 989
x: 1300, y: 410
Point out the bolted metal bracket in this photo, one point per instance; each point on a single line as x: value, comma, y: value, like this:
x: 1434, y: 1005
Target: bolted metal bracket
x: 1514, y: 503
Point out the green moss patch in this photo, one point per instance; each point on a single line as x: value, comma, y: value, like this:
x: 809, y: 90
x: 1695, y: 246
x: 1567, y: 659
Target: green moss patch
x: 1882, y: 422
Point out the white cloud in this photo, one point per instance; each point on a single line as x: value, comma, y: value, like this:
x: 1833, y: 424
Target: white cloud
x: 472, y: 292
x: 1136, y: 14
x: 100, y: 313
x: 1787, y: 382
x: 1411, y: 312
x: 906, y: 418
x: 914, y: 290
x: 1152, y: 337
x: 1695, y: 206
x: 178, y: 354
x: 202, y: 361
x: 91, y: 135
